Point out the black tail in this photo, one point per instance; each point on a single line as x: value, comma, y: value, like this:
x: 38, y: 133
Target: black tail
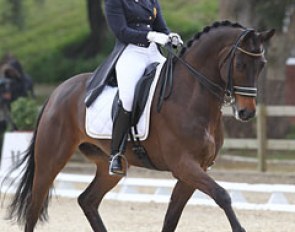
x: 18, y: 209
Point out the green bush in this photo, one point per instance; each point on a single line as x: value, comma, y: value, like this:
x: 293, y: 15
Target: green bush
x: 24, y: 112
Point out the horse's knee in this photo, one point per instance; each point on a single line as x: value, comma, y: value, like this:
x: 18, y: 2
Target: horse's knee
x: 222, y: 198
x: 82, y: 201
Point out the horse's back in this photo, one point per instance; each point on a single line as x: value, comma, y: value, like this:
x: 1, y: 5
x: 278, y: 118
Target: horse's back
x: 73, y: 86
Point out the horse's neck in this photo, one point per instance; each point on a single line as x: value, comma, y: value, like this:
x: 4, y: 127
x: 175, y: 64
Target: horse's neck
x: 188, y: 89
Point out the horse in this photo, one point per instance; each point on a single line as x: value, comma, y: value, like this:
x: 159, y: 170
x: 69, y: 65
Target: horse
x: 221, y: 63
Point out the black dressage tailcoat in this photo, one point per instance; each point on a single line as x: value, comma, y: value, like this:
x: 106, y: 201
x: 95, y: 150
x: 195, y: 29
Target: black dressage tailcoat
x: 130, y: 21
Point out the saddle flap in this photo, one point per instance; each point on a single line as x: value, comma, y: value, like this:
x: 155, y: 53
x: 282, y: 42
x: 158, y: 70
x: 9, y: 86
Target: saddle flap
x: 142, y: 92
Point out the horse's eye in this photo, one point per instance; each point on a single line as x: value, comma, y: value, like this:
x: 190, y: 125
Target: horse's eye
x: 241, y: 65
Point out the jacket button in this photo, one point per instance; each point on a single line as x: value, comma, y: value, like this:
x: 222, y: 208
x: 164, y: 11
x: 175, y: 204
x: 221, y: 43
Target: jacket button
x: 149, y: 26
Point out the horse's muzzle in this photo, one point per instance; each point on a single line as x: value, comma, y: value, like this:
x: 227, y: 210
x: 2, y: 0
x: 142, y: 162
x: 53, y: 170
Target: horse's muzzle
x: 244, y: 108
x: 245, y: 115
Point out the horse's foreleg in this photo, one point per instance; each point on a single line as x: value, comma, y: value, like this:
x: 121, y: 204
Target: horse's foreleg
x: 91, y: 198
x: 195, y: 176
x: 180, y: 195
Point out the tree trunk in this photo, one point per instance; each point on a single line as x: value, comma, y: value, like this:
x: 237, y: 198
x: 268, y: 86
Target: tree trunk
x: 239, y: 11
x: 15, y: 13
x: 97, y: 23
x: 98, y: 31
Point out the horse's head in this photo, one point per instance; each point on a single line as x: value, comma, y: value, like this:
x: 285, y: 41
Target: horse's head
x: 244, y: 63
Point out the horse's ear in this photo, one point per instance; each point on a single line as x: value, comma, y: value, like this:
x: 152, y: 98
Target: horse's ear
x: 249, y: 35
x: 266, y: 35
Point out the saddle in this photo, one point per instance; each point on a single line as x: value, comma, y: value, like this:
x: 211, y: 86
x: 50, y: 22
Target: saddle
x: 141, y: 94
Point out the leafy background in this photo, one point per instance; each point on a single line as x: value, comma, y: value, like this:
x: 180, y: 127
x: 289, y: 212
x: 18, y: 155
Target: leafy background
x: 51, y: 29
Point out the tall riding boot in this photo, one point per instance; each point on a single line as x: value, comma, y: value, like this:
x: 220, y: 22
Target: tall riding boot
x: 121, y: 128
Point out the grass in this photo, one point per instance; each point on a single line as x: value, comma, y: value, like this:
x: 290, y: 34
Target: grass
x: 54, y: 26
x: 48, y: 29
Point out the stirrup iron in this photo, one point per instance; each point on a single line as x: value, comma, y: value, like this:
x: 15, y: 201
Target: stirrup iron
x: 123, y: 158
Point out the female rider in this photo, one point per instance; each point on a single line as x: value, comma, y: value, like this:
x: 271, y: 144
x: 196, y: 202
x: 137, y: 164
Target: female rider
x: 139, y: 25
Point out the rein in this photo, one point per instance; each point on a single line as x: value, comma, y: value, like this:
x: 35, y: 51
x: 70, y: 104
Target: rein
x: 224, y: 95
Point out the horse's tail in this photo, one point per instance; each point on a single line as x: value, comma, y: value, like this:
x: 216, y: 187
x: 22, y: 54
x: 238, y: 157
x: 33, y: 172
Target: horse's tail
x: 20, y: 204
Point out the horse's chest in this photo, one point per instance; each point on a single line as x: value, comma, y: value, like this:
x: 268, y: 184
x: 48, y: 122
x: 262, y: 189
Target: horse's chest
x: 209, y: 142
x: 209, y: 149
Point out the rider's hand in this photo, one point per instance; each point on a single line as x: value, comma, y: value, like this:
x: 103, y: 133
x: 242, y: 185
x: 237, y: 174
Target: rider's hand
x: 175, y: 39
x: 158, y: 37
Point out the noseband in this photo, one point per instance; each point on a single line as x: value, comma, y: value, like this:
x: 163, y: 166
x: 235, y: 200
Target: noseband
x: 225, y: 95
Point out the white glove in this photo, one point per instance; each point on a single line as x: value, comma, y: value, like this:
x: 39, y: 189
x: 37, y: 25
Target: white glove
x: 158, y: 37
x: 175, y: 39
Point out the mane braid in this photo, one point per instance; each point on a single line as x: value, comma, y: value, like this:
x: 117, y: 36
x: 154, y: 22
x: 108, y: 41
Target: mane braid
x: 206, y: 29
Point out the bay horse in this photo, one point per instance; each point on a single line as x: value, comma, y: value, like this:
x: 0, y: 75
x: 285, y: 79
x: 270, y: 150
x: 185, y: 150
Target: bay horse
x: 221, y: 62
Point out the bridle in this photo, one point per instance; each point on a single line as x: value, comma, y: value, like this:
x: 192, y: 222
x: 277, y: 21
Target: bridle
x: 225, y: 95
x: 238, y: 90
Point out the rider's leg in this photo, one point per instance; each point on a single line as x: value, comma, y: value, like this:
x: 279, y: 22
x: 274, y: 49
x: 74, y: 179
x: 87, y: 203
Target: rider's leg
x: 121, y: 127
x: 129, y: 68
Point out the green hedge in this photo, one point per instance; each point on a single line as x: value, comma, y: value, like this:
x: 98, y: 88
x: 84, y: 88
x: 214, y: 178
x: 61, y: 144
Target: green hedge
x: 24, y: 112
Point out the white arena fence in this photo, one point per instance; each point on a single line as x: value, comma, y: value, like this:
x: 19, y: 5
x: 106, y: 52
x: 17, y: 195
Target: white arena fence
x: 274, y: 197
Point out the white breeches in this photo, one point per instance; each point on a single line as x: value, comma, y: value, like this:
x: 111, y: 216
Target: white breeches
x: 130, y: 68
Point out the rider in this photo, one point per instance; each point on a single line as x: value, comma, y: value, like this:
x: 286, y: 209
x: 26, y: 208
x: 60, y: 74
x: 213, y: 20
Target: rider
x: 138, y: 24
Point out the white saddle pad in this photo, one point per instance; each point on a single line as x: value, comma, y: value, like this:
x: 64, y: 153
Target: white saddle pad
x: 99, y: 123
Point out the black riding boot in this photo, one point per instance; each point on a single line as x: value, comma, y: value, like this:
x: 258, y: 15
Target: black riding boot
x: 121, y: 127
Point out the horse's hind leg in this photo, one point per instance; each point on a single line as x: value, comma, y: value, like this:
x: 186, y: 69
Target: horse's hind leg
x: 91, y: 198
x: 49, y: 160
x: 193, y: 175
x: 180, y: 195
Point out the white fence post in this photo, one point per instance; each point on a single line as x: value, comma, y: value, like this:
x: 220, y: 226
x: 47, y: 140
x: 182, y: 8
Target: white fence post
x: 261, y: 137
x: 14, y: 145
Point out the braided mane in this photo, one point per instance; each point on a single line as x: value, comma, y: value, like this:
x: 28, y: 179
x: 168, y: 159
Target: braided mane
x: 206, y: 29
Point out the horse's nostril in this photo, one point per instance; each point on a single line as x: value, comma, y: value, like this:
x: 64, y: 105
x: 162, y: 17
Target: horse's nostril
x: 245, y: 114
x: 242, y: 114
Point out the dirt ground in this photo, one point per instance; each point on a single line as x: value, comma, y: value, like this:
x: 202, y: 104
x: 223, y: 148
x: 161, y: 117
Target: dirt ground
x: 66, y: 216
